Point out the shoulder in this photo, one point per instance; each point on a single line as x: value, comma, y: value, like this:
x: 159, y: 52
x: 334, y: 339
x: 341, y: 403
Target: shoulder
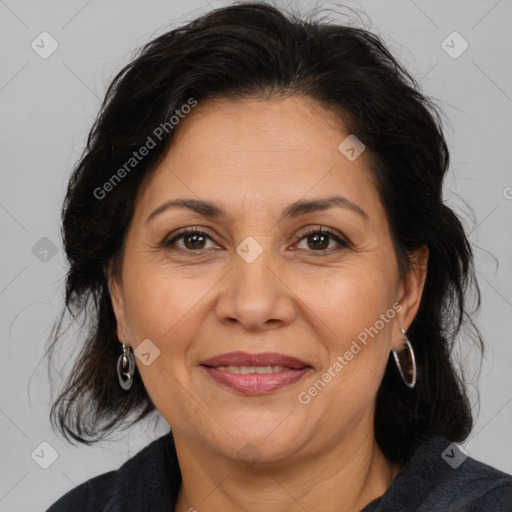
x: 441, y: 476
x: 478, y: 486
x: 103, y: 493
x: 497, y: 499
x: 475, y: 486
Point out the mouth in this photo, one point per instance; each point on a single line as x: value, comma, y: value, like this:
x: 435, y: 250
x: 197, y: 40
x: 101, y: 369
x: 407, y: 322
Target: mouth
x: 255, y: 374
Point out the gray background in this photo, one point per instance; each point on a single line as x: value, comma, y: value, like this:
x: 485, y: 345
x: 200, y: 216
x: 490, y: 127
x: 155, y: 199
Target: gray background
x: 47, y: 107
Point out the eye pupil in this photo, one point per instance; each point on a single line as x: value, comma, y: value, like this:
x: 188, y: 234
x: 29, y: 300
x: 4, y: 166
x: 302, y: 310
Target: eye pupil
x: 319, y: 237
x: 195, y: 238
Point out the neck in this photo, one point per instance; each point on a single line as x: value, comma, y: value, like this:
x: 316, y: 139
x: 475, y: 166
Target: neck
x: 345, y: 478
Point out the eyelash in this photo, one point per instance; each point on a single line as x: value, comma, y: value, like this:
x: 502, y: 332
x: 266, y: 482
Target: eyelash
x: 166, y: 244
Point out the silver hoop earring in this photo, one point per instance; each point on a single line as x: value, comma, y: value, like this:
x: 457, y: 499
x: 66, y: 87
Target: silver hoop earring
x: 404, y: 358
x: 125, y: 362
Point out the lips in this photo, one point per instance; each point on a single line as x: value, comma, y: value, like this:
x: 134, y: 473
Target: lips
x: 264, y: 359
x: 255, y: 374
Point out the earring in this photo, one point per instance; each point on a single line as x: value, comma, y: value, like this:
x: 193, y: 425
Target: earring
x: 125, y: 360
x: 405, y: 358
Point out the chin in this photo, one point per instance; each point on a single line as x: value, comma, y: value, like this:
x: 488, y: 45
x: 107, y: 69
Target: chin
x: 255, y: 441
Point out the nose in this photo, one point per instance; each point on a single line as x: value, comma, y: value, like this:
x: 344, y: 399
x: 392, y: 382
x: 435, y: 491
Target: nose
x: 256, y: 295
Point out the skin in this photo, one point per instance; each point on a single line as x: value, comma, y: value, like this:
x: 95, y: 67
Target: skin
x: 254, y: 158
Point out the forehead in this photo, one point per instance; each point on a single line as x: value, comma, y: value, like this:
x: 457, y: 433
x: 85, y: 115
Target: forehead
x: 260, y: 152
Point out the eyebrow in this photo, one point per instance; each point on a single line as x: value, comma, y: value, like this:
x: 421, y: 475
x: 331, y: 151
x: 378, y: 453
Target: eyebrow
x: 301, y: 207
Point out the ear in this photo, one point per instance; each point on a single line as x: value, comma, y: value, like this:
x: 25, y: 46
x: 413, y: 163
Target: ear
x: 409, y: 294
x: 115, y: 288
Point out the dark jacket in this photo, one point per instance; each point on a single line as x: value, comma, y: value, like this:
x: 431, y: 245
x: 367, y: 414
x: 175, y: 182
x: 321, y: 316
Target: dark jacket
x: 429, y: 481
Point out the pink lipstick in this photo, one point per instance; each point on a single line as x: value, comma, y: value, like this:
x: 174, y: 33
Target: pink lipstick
x: 255, y: 374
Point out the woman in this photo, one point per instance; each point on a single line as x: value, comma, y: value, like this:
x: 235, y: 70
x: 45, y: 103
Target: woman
x: 258, y: 221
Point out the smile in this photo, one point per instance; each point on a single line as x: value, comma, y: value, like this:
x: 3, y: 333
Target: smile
x: 255, y: 374
x: 244, y: 370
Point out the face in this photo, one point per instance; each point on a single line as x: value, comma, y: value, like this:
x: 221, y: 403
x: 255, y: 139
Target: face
x: 271, y: 323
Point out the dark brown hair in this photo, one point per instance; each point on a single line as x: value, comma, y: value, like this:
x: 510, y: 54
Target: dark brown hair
x: 255, y: 50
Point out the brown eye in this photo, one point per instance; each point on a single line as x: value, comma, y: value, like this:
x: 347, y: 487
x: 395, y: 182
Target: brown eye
x: 319, y: 239
x: 193, y: 240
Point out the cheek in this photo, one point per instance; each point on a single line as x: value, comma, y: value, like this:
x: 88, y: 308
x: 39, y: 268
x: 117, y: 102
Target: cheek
x: 165, y: 311
x: 156, y: 305
x: 359, y: 312
x: 351, y: 300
